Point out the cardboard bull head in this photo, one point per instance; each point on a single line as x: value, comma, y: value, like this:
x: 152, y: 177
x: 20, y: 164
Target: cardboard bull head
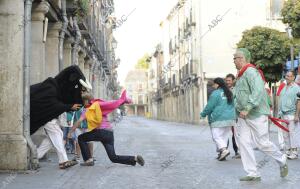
x: 55, y: 96
x: 71, y: 81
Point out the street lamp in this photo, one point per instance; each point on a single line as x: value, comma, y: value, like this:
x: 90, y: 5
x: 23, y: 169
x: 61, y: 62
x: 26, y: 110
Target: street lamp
x: 289, y: 32
x: 116, y: 63
x: 114, y: 43
x: 187, y: 55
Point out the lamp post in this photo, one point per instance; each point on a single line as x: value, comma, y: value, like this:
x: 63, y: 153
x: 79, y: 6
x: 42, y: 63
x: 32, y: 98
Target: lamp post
x: 116, y: 63
x: 289, y: 32
x: 114, y: 43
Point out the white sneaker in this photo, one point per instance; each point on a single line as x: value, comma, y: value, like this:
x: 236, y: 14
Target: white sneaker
x: 224, y: 154
x: 292, y: 156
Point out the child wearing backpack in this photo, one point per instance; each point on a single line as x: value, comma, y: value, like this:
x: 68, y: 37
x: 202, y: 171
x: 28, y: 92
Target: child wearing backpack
x: 100, y: 129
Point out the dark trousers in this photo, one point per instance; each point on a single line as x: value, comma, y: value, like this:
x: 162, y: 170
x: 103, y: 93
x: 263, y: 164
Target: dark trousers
x: 234, y: 145
x: 235, y: 148
x: 107, y: 139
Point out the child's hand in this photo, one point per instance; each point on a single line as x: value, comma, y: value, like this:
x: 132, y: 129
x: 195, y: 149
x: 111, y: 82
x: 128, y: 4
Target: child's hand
x: 70, y: 134
x: 76, y: 107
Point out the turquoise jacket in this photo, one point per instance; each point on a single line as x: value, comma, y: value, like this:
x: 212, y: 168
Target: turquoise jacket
x: 219, y: 112
x: 83, y: 124
x: 288, y: 100
x: 69, y: 116
x: 250, y: 94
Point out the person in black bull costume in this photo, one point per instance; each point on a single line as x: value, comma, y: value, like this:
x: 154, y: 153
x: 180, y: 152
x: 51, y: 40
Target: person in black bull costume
x: 51, y: 98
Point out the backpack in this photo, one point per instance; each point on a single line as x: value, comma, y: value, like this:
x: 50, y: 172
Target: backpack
x: 93, y: 116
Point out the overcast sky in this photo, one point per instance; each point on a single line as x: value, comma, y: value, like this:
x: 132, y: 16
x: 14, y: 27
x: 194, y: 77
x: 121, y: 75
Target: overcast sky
x: 140, y: 33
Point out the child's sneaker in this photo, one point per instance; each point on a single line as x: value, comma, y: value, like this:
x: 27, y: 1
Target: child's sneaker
x: 224, y: 154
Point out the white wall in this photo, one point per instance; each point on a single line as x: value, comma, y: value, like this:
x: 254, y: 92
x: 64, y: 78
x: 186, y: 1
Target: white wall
x: 218, y: 44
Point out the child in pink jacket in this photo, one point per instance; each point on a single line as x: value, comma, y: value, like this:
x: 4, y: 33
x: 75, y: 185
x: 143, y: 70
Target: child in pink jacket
x: 104, y: 132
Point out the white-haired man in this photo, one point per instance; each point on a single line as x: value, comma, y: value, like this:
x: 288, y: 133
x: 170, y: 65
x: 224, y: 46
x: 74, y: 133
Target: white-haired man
x: 253, y: 109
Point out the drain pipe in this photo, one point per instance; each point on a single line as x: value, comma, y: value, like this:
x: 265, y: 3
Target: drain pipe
x: 77, y: 41
x: 93, y: 68
x: 26, y: 85
x: 62, y: 35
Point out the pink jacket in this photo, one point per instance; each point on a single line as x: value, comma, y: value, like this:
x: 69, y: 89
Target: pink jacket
x: 108, y: 107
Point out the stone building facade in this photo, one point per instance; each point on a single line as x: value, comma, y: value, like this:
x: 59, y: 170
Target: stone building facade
x: 136, y: 85
x: 197, y: 45
x: 49, y: 35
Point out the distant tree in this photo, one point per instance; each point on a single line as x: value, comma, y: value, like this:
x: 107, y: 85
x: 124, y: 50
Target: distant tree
x: 291, y: 16
x: 269, y: 50
x: 143, y: 63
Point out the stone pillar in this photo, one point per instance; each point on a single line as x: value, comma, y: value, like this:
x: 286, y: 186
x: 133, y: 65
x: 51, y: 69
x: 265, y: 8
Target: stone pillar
x: 81, y: 61
x: 192, y: 104
x: 135, y: 110
x: 95, y: 82
x: 13, y: 146
x: 67, y: 53
x: 37, y: 68
x: 100, y: 87
x: 97, y: 86
x: 86, y: 71
x: 105, y: 90
x: 52, y: 63
x: 145, y: 111
x: 204, y: 98
x: 101, y: 84
x: 75, y: 58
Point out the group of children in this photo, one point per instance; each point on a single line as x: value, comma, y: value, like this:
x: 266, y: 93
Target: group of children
x: 67, y: 120
x: 87, y: 124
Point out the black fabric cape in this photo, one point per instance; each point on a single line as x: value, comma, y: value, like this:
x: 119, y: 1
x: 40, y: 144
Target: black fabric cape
x: 54, y: 96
